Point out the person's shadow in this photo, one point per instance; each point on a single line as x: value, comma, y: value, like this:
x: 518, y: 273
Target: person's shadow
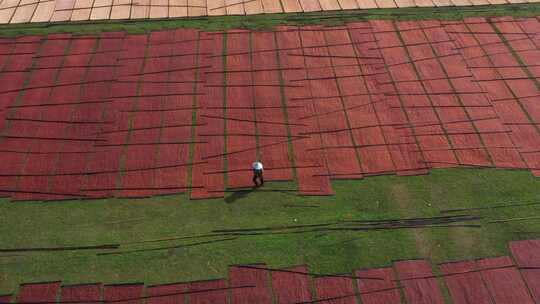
x: 236, y: 195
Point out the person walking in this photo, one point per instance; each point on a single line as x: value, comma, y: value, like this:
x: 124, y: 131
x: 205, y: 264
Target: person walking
x: 258, y: 168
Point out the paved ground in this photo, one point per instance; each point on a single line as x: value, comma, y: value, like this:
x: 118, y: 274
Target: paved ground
x: 501, y: 279
x: 134, y: 115
x: 24, y: 11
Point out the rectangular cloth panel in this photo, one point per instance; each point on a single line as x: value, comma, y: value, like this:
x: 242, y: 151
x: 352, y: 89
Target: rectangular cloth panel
x: 529, y: 55
x: 377, y: 291
x: 156, y: 64
x: 73, y: 71
x: 290, y: 288
x: 469, y: 147
x: 439, y: 148
x: 102, y: 159
x: 40, y: 164
x: 38, y: 292
x: 166, y: 294
x: 124, y: 294
x: 481, y: 66
x: 417, y: 104
x: 207, y: 173
x: 503, y: 281
x: 356, y: 102
x: 321, y: 81
x: 81, y: 293
x: 336, y: 290
x: 21, y: 59
x: 108, y: 158
x: 404, y: 147
x: 7, y: 51
x: 14, y: 76
x: 6, y: 48
x: 267, y: 100
x: 257, y: 278
x: 521, y: 43
x: 527, y: 256
x: 417, y: 288
x: 24, y: 49
x: 465, y: 283
x: 309, y: 160
x: 518, y: 35
x: 374, y: 129
x: 13, y: 164
x: 218, y: 295
x: 5, y: 299
x: 239, y: 98
x: 184, y: 56
x: 493, y: 45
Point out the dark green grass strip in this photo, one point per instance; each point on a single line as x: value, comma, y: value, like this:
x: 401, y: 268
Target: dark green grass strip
x: 271, y: 20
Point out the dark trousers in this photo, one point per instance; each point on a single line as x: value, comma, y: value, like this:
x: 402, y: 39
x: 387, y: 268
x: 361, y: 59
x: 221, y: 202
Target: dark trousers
x: 258, y: 175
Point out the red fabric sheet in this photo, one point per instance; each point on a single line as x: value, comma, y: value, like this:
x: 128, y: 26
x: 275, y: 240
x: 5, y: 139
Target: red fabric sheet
x: 5, y: 299
x: 469, y: 147
x: 407, y: 160
x: 336, y: 97
x: 81, y: 293
x: 208, y: 297
x: 14, y: 81
x: 356, y: 101
x: 529, y: 26
x: 310, y: 162
x: 272, y: 156
x: 239, y: 94
x: 416, y: 288
x: 124, y: 294
x: 40, y: 164
x: 166, y: 294
x: 336, y: 290
x: 417, y: 47
x: 137, y: 156
x: 378, y: 291
x: 70, y: 162
x: 38, y: 292
x: 257, y: 278
x: 504, y: 284
x: 497, y: 90
x: 527, y: 254
x: 342, y: 162
x: 176, y: 154
x: 7, y: 49
x: 290, y: 287
x: 213, y: 183
x: 103, y: 112
x: 109, y: 158
x: 467, y: 287
x: 528, y: 52
x: 375, y: 156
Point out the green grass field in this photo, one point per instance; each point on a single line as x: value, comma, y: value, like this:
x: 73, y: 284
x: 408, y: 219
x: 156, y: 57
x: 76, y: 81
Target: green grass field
x: 76, y: 223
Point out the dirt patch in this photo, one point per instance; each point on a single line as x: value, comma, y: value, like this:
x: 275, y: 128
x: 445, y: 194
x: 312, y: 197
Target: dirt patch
x: 465, y: 241
x: 463, y: 238
x: 402, y: 197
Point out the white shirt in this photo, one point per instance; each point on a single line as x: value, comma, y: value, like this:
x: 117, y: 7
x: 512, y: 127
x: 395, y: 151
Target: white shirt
x: 257, y: 166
